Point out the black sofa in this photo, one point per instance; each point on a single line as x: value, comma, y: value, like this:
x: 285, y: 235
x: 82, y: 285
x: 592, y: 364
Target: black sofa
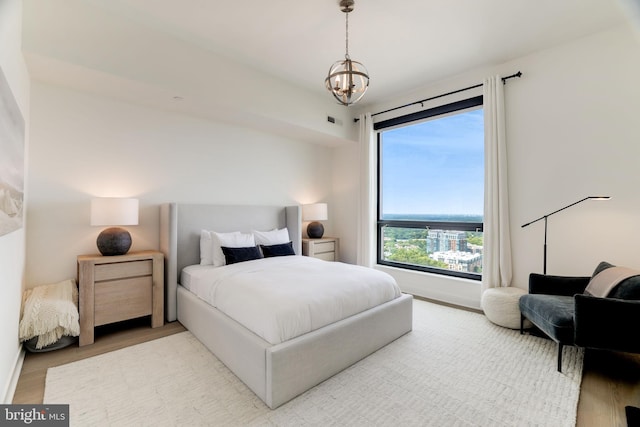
x: 558, y: 306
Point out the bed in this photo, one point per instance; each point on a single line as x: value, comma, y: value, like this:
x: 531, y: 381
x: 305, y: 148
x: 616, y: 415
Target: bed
x: 278, y: 372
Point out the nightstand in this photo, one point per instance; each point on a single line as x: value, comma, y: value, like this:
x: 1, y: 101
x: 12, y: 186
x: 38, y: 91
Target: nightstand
x: 325, y: 248
x: 121, y: 287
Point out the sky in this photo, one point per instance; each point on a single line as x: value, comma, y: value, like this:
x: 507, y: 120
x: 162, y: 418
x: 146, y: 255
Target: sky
x: 435, y: 167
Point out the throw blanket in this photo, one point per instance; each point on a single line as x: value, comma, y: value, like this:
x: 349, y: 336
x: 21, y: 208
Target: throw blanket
x: 49, y: 312
x: 602, y: 283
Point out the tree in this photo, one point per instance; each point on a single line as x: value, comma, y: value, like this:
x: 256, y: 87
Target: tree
x: 413, y: 255
x: 475, y: 239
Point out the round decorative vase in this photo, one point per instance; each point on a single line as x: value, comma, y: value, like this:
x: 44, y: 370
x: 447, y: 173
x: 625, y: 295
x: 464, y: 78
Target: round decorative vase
x: 315, y: 230
x: 114, y: 241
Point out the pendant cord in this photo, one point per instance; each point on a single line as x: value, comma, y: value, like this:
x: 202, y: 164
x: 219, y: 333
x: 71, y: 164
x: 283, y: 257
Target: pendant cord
x: 346, y: 55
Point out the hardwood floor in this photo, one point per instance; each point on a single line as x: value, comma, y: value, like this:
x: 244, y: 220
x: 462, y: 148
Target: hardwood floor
x: 610, y: 381
x: 30, y: 387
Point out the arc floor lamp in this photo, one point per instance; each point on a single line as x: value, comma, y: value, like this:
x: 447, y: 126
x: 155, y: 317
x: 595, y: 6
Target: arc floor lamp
x: 544, y: 268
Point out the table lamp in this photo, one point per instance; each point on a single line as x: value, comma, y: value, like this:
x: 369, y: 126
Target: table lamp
x: 315, y: 212
x: 114, y: 211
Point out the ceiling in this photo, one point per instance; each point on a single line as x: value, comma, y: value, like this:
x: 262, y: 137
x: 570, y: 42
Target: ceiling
x: 404, y: 45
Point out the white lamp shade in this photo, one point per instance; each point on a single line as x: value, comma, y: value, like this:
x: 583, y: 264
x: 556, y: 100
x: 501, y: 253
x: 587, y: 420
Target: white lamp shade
x: 114, y: 211
x: 314, y: 212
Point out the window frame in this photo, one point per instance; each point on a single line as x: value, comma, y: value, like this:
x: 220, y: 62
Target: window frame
x: 441, y: 110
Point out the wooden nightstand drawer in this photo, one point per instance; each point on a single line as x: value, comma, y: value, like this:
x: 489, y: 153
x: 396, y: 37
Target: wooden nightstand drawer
x: 324, y: 247
x: 123, y: 269
x: 122, y: 299
x: 327, y: 256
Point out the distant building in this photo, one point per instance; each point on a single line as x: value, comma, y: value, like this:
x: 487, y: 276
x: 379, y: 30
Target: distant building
x: 459, y: 261
x: 475, y: 249
x: 444, y: 241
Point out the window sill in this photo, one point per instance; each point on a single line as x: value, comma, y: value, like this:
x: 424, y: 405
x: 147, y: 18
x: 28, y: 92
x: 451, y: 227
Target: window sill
x: 449, y: 289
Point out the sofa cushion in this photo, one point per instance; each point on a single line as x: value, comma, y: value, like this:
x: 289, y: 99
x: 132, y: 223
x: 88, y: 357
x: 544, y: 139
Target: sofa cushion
x: 553, y: 314
x: 627, y: 289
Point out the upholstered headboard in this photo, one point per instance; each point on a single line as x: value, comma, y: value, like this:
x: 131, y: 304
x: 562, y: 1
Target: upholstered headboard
x: 180, y: 226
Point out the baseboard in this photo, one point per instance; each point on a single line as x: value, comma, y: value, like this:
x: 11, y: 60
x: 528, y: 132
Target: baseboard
x: 447, y: 304
x: 13, y: 382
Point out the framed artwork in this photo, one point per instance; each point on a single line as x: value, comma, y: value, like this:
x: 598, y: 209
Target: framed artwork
x: 11, y: 160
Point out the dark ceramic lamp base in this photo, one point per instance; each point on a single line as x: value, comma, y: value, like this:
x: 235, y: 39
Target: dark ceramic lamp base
x: 114, y: 241
x: 315, y: 230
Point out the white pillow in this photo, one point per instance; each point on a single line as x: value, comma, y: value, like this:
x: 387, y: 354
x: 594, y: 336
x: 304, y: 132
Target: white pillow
x: 273, y: 237
x: 228, y: 240
x: 206, y: 248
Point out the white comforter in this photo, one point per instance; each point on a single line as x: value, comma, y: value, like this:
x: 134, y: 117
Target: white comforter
x: 283, y: 297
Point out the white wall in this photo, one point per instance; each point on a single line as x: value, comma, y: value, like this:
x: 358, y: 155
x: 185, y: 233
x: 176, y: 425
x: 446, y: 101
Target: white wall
x: 151, y: 67
x: 572, y: 129
x: 83, y: 145
x: 12, y: 246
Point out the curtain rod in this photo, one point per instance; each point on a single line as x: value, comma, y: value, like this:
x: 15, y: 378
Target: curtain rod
x: 422, y: 101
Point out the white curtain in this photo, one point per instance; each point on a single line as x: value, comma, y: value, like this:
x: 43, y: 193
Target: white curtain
x: 367, y: 203
x: 496, y: 268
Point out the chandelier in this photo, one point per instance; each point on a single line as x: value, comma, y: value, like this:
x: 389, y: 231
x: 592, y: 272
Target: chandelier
x: 347, y: 80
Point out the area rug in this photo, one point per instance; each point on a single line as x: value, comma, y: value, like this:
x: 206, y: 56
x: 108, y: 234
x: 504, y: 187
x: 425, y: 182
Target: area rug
x: 454, y: 368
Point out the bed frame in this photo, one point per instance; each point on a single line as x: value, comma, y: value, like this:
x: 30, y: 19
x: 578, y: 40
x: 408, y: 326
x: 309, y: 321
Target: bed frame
x: 275, y: 373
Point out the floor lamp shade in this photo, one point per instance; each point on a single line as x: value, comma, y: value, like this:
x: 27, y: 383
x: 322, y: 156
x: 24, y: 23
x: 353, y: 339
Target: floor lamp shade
x: 315, y: 212
x: 114, y: 211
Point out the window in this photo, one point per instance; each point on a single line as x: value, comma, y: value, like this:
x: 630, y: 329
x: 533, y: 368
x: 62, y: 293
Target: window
x: 431, y: 190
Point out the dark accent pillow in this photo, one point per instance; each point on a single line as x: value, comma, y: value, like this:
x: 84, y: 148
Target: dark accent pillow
x: 235, y: 255
x: 633, y: 416
x: 283, y: 249
x: 627, y: 289
x: 601, y: 267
